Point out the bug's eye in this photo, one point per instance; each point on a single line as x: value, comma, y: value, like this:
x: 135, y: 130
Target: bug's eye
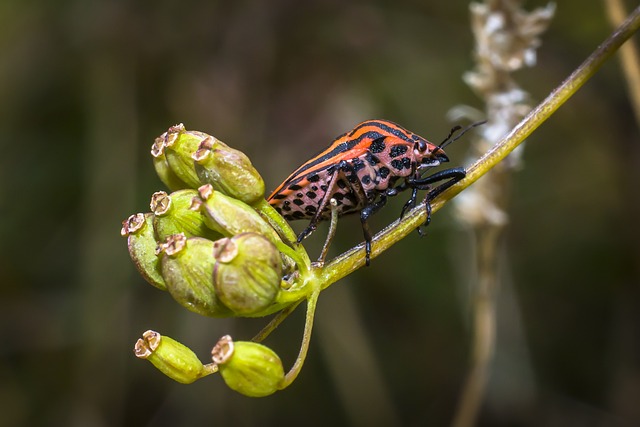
x: 421, y: 146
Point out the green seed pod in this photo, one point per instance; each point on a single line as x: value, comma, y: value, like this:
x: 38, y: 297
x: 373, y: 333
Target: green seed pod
x: 228, y: 170
x: 179, y: 145
x: 173, y: 216
x: 229, y: 216
x: 173, y: 359
x: 187, y: 268
x: 163, y: 170
x: 248, y: 273
x: 142, y: 247
x: 249, y: 368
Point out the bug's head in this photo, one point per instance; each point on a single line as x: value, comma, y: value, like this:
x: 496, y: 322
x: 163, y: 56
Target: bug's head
x: 429, y: 154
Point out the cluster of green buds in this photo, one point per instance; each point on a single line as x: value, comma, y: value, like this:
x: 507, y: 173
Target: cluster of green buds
x: 220, y: 250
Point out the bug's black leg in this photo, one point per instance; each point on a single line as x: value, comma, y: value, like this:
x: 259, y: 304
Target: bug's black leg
x: 394, y: 191
x: 411, y: 203
x: 369, y: 209
x: 365, y: 213
x: 427, y: 221
x: 307, y: 231
x: 453, y: 175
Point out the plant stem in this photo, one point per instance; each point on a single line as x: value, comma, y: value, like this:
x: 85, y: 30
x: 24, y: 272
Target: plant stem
x: 629, y: 57
x: 306, y: 339
x: 484, y: 326
x: 353, y: 259
x: 275, y: 322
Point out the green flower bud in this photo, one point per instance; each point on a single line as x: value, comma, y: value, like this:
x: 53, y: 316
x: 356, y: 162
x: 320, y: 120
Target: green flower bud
x: 229, y: 216
x: 178, y: 145
x: 228, y: 170
x: 142, y: 247
x: 173, y: 216
x: 173, y: 359
x: 163, y: 170
x: 248, y: 273
x: 187, y: 268
x: 249, y: 368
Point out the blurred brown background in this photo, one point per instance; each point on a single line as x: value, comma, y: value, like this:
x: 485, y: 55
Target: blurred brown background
x: 87, y: 85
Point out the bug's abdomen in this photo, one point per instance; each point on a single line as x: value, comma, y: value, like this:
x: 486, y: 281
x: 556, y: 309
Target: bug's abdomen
x: 301, y: 198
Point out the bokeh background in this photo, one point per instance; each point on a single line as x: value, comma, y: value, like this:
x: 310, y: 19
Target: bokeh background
x: 86, y: 86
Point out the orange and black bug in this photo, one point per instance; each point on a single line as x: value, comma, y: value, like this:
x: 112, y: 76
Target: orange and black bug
x: 360, y: 169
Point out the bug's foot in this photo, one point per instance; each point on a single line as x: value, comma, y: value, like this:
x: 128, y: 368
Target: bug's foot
x: 306, y: 232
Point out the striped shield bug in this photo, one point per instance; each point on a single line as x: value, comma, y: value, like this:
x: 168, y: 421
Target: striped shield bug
x: 360, y: 170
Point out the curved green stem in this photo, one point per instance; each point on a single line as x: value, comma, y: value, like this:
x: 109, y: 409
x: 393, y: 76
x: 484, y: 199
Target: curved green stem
x: 275, y: 322
x: 302, y: 260
x: 353, y: 259
x: 306, y: 339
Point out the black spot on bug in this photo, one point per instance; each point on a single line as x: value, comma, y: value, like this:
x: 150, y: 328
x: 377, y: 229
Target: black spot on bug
x: 298, y: 215
x: 384, y: 172
x: 338, y: 196
x: 377, y: 146
x: 352, y: 178
x: 415, y: 137
x: 371, y: 159
x: 397, y: 164
x: 357, y: 164
x: 323, y: 187
x: 406, y: 162
x: 341, y: 184
x: 294, y: 187
x: 366, y: 180
x: 279, y: 196
x: 397, y: 150
x: 286, y: 208
x: 310, y: 209
x: 298, y: 202
x: 314, y: 187
x: 299, y: 195
x: 279, y: 210
x: 311, y: 194
x: 313, y: 177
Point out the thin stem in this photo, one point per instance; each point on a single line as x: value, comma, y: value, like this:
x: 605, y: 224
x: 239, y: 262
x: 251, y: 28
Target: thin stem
x: 209, y: 368
x: 484, y: 334
x: 629, y: 57
x: 333, y: 225
x: 275, y: 322
x: 306, y: 339
x: 295, y: 255
x: 353, y: 259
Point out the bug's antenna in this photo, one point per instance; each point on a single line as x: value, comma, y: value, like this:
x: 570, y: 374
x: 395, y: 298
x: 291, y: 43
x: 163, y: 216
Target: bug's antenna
x: 449, y: 139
